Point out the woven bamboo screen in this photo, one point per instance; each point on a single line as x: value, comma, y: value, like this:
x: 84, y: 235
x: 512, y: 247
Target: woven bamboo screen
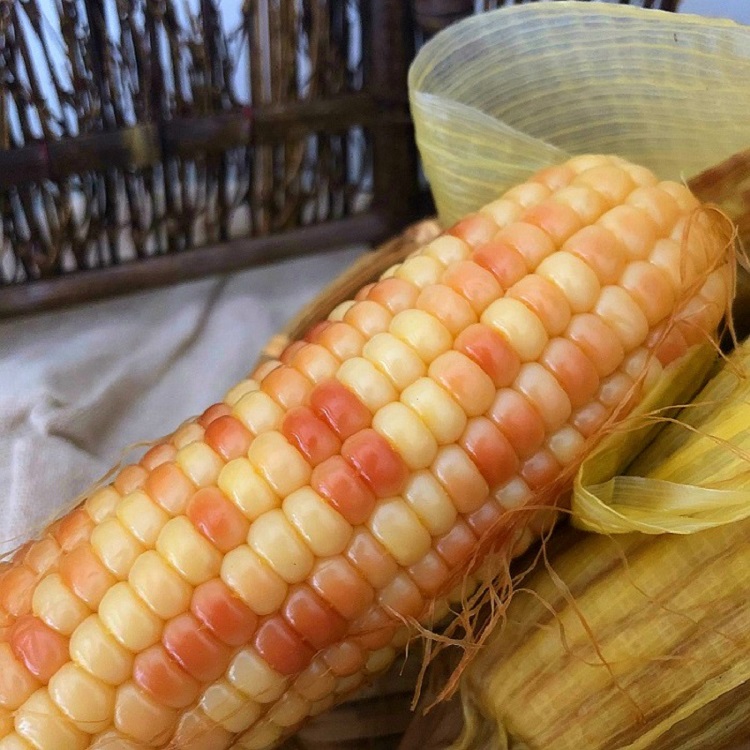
x: 133, y: 131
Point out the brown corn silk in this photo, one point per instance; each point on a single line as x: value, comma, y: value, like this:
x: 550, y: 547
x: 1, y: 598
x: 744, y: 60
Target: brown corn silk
x: 272, y: 554
x: 634, y: 642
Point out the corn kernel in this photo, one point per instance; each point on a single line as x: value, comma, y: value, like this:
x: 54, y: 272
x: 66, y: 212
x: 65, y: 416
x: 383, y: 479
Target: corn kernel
x: 234, y: 394
x: 324, y: 530
x: 289, y: 710
x: 423, y: 332
x: 115, y: 546
x: 469, y: 385
x: 159, y: 585
x: 41, y: 723
x: 502, y: 211
x: 460, y: 477
x: 186, y: 434
x: 543, y: 391
x: 275, y: 540
x: 618, y: 310
x: 142, y: 517
x: 229, y: 707
x: 420, y: 270
x: 522, y: 329
x: 86, y: 701
x: 56, y: 605
x: 252, y: 676
x: 406, y: 433
x: 633, y: 228
x: 438, y: 410
x: 200, y: 464
x: 573, y: 277
x: 447, y: 249
x: 94, y: 649
x: 188, y: 552
x: 316, y: 681
x: 430, y: 501
x: 566, y: 444
x: 263, y: 735
x: 369, y: 384
x: 395, y: 359
x: 253, y: 580
x: 102, y: 504
x: 128, y: 619
x: 16, y: 682
x: 242, y: 483
x: 280, y: 463
x: 400, y: 531
x: 258, y: 412
x: 139, y: 716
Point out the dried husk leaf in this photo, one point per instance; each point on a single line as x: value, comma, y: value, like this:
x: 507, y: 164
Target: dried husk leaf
x: 500, y: 95
x: 635, y: 642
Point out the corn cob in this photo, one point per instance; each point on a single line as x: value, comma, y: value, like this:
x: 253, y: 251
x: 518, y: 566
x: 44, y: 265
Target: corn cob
x: 259, y: 564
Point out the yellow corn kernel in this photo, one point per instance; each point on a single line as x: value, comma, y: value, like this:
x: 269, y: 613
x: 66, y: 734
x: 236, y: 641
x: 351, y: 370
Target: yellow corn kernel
x: 139, y: 716
x: 116, y: 547
x: 142, y: 517
x: 234, y: 394
x: 325, y: 531
x: 263, y: 735
x: 252, y: 676
x: 275, y: 540
x: 566, y: 444
x: 186, y: 434
x: 280, y: 463
x: 197, y: 731
x: 397, y: 527
x: 159, y: 585
x: 128, y: 619
x: 253, y: 580
x: 200, y: 464
x: 258, y: 412
x: 444, y: 418
x: 432, y: 504
x: 617, y: 308
x: 423, y: 332
x: 573, y: 278
x: 241, y: 482
x: 14, y: 742
x: 372, y: 388
x: 543, y: 390
x: 447, y: 249
x: 380, y: 660
x: 513, y: 494
x: 520, y: 326
x: 527, y: 194
x: 94, y: 649
x: 341, y: 310
x: 40, y: 722
x: 395, y: 359
x: 229, y: 707
x: 102, y: 503
x: 17, y: 683
x: 420, y: 270
x: 56, y: 605
x: 316, y: 681
x: 503, y: 211
x: 188, y: 552
x: 289, y: 710
x: 406, y: 433
x: 86, y: 701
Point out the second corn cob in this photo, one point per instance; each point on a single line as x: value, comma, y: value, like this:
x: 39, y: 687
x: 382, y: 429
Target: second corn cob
x: 258, y: 565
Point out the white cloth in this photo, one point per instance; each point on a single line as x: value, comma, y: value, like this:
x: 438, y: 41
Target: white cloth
x: 79, y: 385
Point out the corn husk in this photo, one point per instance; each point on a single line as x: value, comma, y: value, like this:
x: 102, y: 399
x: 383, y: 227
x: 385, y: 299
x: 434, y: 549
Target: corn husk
x: 505, y: 93
x: 636, y: 642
